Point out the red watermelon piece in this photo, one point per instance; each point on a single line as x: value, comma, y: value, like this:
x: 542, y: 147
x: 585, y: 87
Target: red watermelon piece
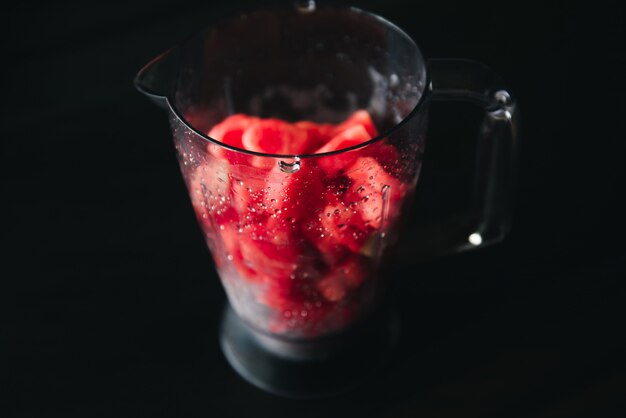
x: 366, y: 192
x: 317, y: 134
x: 299, y: 308
x: 295, y: 196
x: 345, y: 278
x: 274, y: 136
x: 247, y: 194
x: 329, y: 246
x: 210, y: 195
x: 275, y: 262
x: 385, y: 154
x: 231, y: 241
x: 350, y: 137
x: 358, y: 118
x: 231, y: 129
x: 336, y: 229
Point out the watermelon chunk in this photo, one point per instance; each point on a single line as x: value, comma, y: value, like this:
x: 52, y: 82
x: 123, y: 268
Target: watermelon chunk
x: 330, y: 248
x: 371, y: 184
x: 299, y: 307
x: 317, y: 134
x: 385, y: 154
x: 295, y: 196
x: 275, y: 262
x: 274, y: 136
x: 275, y: 247
x: 247, y: 194
x: 231, y: 243
x: 210, y: 195
x: 341, y: 224
x: 230, y: 130
x: 358, y: 118
x: 349, y: 137
x: 344, y: 279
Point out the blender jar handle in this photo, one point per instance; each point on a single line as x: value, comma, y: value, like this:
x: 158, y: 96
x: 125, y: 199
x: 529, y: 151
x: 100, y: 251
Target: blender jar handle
x: 488, y: 219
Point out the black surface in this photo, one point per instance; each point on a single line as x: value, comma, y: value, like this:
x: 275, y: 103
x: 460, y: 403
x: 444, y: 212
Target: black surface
x: 111, y: 304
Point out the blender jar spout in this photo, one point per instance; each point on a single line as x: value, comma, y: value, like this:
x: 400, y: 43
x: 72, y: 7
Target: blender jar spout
x: 156, y: 79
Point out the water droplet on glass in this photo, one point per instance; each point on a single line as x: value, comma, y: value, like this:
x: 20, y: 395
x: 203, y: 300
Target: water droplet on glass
x: 393, y: 80
x: 305, y: 6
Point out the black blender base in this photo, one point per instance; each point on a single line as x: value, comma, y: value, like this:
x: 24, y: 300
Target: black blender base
x: 348, y: 359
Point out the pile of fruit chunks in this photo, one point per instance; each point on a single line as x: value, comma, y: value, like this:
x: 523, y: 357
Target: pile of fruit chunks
x: 305, y: 238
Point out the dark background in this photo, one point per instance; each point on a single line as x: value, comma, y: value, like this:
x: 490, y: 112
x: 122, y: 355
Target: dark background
x: 111, y: 303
